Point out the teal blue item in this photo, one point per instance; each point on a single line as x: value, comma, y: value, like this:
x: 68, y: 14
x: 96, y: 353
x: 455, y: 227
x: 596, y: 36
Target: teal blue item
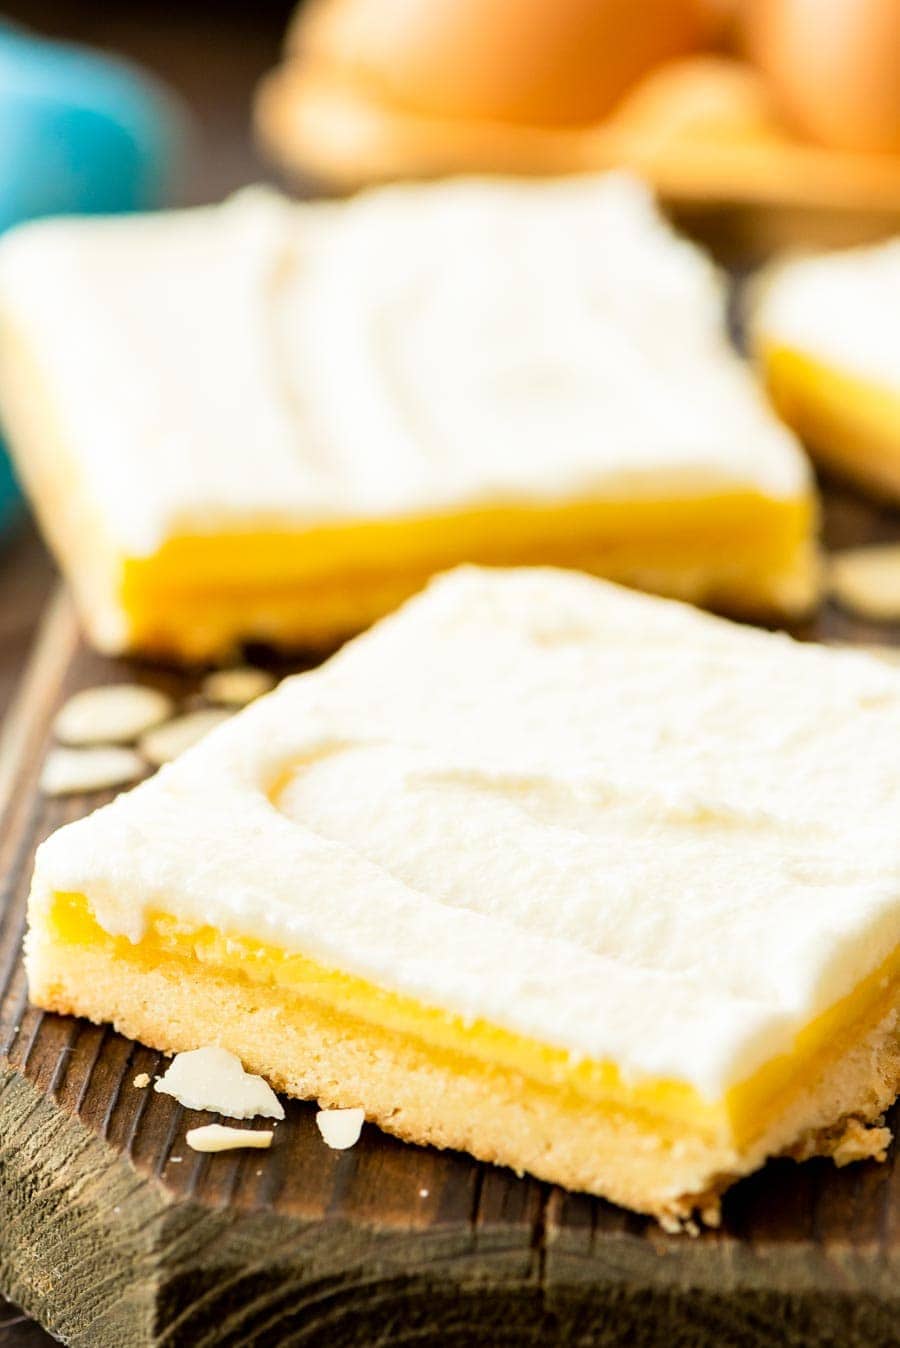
x: 9, y: 493
x: 80, y: 133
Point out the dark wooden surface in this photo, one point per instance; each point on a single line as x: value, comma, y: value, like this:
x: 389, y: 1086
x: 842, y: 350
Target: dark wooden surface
x: 26, y: 576
x: 115, y: 1242
x: 211, y: 52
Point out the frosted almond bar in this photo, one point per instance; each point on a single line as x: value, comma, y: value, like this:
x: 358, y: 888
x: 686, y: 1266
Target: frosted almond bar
x: 584, y: 882
x: 275, y: 421
x: 827, y: 334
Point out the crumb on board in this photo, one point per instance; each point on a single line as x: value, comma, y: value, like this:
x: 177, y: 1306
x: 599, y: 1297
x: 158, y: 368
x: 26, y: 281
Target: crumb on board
x: 686, y: 1225
x: 861, y: 1143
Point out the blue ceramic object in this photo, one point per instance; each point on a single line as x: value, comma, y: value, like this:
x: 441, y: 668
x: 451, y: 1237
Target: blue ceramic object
x: 9, y: 493
x: 82, y: 133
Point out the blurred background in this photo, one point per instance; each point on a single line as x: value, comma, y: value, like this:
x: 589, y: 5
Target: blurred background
x: 210, y: 54
x: 760, y: 121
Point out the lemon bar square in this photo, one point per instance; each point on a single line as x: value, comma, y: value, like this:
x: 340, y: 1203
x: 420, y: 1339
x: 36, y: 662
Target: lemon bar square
x: 583, y: 882
x: 826, y: 332
x: 268, y: 420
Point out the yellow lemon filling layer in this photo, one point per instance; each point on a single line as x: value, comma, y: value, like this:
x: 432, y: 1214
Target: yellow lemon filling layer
x: 742, y: 550
x: 851, y: 424
x: 667, y: 1106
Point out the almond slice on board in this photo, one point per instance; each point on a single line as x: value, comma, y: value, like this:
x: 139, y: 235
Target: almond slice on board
x: 212, y: 1078
x: 218, y: 1137
x: 167, y: 741
x: 867, y: 581
x: 237, y: 687
x: 340, y: 1128
x: 116, y: 713
x: 68, y: 772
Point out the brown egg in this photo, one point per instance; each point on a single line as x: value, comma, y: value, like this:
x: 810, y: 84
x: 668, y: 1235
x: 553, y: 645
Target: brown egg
x: 721, y: 23
x: 834, y: 65
x: 539, y: 62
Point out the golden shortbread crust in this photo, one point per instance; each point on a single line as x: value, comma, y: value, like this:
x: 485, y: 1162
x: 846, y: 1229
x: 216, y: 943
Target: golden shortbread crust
x: 445, y: 1099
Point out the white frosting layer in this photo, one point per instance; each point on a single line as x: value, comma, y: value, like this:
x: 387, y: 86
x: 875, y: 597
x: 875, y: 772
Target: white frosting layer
x: 416, y: 350
x: 605, y: 821
x: 843, y: 308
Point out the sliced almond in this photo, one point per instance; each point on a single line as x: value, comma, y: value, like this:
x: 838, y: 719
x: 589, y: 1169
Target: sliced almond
x: 117, y: 713
x: 167, y: 741
x: 68, y: 772
x: 867, y: 581
x: 237, y: 687
x: 217, y: 1137
x: 212, y: 1078
x: 340, y: 1128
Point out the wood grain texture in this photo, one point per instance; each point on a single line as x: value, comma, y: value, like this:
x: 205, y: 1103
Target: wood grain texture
x: 116, y: 1235
x: 212, y: 52
x: 26, y: 579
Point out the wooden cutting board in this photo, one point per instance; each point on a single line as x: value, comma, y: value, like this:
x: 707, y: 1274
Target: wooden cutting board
x: 116, y: 1235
